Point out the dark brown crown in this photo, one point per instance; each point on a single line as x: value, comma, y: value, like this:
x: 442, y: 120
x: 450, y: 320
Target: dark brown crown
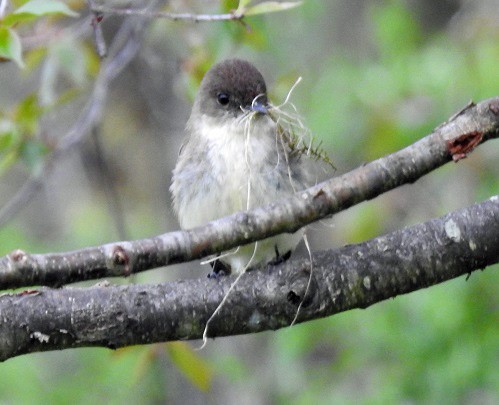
x: 239, y: 80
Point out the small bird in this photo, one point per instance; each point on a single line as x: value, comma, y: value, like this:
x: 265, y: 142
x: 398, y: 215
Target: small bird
x: 233, y: 160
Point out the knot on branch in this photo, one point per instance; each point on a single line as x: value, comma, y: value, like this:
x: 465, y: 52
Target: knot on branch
x: 461, y: 146
x: 119, y: 258
x: 18, y: 257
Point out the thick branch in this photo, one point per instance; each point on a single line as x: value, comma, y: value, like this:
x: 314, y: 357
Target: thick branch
x: 452, y: 140
x: 354, y: 276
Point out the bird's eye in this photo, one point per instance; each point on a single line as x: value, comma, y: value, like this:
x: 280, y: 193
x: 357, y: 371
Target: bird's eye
x: 223, y: 98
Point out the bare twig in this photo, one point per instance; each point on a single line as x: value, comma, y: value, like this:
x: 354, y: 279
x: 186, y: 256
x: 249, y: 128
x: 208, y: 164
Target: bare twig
x: 167, y: 15
x: 480, y: 122
x: 354, y: 276
x: 100, y: 43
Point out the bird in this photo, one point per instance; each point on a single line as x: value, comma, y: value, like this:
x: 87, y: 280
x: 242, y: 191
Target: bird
x: 233, y: 160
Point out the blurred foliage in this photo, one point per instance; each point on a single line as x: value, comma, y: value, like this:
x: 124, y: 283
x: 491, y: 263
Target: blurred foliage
x: 190, y: 364
x: 438, y: 345
x: 18, y: 130
x: 10, y: 44
x: 64, y: 57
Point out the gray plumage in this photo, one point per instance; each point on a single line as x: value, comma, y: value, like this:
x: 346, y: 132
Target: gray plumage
x: 228, y: 164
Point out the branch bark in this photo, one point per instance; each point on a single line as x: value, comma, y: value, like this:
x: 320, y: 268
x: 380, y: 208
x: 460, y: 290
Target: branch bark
x: 354, y: 276
x: 452, y: 140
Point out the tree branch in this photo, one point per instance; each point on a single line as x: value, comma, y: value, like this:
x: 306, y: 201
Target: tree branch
x: 450, y: 141
x: 170, y: 16
x: 354, y: 276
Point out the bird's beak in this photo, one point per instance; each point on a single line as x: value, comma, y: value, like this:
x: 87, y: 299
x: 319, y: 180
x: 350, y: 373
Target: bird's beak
x: 259, y: 107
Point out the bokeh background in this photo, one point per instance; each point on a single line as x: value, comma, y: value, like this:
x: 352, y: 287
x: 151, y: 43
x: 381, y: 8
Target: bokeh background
x: 377, y: 76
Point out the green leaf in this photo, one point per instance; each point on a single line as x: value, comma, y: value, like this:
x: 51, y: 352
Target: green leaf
x: 43, y: 7
x: 9, y: 144
x: 36, y: 8
x: 10, y: 46
x: 271, y: 6
x: 12, y: 19
x: 18, y: 135
x: 243, y: 3
x: 28, y: 114
x: 242, y: 6
x: 7, y: 137
x: 190, y: 364
x: 7, y: 160
x: 227, y: 6
x: 34, y: 58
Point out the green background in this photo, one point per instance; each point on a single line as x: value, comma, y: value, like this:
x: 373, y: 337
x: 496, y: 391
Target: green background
x: 377, y: 76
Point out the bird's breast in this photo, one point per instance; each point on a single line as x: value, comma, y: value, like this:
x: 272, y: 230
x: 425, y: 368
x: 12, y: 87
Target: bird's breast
x: 246, y: 168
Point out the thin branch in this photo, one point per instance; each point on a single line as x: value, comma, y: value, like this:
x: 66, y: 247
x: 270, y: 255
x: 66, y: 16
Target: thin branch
x: 454, y: 139
x: 100, y: 43
x: 170, y: 16
x: 354, y: 276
